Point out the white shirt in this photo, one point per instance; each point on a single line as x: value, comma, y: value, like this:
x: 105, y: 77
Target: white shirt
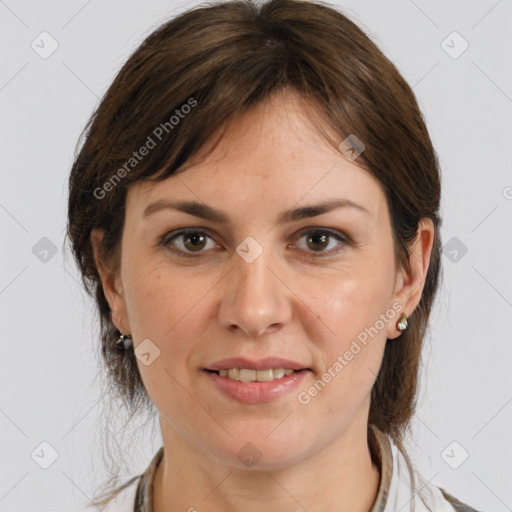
x: 395, y: 493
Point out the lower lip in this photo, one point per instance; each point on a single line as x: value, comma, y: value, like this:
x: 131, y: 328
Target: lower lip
x: 257, y: 392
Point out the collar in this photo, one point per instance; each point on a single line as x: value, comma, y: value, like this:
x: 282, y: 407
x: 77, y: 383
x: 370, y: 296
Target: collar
x: 380, y: 449
x: 382, y: 456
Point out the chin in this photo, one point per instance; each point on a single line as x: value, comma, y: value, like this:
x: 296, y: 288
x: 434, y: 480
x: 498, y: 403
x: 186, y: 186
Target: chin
x: 260, y: 452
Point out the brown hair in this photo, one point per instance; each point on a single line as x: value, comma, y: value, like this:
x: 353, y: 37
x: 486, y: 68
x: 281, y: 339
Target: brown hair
x: 218, y: 60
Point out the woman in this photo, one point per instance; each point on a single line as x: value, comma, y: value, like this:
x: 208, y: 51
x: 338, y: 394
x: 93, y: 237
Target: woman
x: 256, y: 210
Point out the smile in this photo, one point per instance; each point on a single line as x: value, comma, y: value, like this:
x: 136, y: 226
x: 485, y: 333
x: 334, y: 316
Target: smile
x: 247, y: 375
x: 255, y: 386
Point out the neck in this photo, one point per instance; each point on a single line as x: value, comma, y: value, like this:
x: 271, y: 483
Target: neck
x: 340, y: 477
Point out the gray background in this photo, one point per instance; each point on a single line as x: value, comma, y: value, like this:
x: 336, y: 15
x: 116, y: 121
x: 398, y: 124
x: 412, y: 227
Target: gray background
x: 49, y: 383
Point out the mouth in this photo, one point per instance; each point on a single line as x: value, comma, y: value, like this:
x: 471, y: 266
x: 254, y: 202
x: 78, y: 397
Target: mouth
x: 255, y: 386
x: 255, y: 370
x: 249, y: 375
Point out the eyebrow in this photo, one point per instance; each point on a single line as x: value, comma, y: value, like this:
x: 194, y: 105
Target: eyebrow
x: 207, y: 212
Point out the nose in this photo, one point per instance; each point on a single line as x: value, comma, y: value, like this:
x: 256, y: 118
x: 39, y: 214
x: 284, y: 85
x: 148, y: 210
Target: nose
x: 254, y: 300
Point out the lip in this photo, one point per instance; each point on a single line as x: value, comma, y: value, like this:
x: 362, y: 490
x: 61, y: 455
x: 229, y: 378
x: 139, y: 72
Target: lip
x: 256, y: 392
x: 261, y: 364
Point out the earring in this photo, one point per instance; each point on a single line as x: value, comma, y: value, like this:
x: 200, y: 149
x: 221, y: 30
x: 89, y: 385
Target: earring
x: 402, y: 323
x: 124, y: 341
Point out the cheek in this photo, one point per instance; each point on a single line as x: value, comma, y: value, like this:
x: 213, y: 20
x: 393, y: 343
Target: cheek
x: 163, y: 308
x: 160, y: 301
x: 350, y: 348
x: 351, y: 317
x: 352, y: 302
x: 170, y: 309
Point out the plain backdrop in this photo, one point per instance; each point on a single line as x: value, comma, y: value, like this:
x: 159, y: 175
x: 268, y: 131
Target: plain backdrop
x: 49, y: 334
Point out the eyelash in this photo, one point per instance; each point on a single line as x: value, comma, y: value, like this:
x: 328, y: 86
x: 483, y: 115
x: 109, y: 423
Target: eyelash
x: 166, y: 240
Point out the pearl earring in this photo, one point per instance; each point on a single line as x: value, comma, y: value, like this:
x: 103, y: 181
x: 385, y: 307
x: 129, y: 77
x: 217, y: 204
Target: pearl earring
x: 402, y: 323
x: 124, y: 341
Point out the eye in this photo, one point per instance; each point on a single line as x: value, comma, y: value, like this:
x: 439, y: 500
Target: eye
x: 318, y: 239
x: 194, y: 240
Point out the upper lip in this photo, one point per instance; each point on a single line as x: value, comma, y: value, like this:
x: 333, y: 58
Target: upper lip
x: 261, y: 364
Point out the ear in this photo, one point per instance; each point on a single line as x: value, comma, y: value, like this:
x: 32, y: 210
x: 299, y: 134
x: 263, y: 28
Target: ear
x: 409, y: 284
x: 111, y: 283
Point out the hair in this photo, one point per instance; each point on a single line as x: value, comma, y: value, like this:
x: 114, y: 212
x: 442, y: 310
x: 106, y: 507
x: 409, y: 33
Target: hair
x: 194, y: 75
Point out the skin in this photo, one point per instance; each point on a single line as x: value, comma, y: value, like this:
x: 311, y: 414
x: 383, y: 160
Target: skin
x: 285, y: 303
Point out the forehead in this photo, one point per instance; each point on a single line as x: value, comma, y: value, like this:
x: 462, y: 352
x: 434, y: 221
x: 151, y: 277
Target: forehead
x: 272, y: 152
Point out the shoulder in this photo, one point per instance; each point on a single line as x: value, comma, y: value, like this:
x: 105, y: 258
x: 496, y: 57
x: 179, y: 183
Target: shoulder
x: 441, y: 500
x: 407, y: 484
x: 458, y: 505
x: 123, y: 501
x: 137, y: 493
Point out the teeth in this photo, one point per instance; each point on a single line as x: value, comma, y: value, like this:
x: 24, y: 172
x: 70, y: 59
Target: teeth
x: 246, y: 375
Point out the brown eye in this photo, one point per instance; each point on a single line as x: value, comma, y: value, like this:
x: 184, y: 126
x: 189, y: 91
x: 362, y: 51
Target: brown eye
x: 317, y: 240
x: 192, y: 241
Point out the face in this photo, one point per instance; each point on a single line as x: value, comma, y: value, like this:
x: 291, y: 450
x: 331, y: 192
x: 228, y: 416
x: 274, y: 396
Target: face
x: 318, y: 291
